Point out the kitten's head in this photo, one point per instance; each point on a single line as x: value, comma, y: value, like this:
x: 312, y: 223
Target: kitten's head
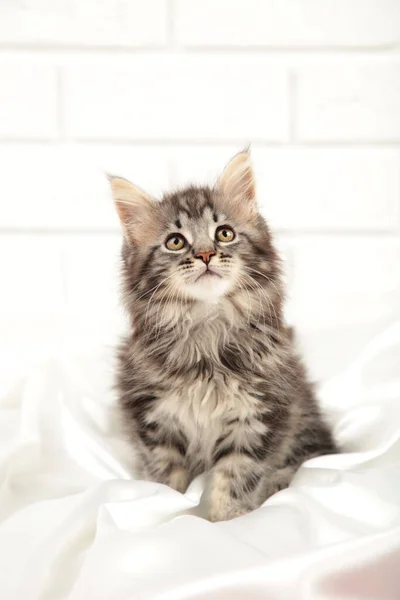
x: 197, y: 244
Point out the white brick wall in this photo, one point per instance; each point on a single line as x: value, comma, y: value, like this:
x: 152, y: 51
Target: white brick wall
x: 349, y: 103
x: 20, y: 118
x: 179, y: 98
x: 109, y: 23
x: 163, y: 92
x: 288, y: 23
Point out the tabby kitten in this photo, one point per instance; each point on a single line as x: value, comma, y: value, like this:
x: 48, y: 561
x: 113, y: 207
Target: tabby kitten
x: 208, y: 376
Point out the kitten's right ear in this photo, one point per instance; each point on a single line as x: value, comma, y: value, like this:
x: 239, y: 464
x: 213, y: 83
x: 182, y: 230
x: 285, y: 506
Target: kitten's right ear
x: 137, y: 210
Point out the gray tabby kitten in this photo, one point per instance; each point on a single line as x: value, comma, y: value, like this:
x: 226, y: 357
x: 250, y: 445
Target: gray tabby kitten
x: 208, y: 376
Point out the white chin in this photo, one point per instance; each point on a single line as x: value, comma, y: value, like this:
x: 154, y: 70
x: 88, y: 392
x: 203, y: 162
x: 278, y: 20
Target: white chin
x: 208, y: 288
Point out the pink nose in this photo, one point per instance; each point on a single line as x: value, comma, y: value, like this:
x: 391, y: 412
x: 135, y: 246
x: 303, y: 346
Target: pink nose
x: 205, y: 256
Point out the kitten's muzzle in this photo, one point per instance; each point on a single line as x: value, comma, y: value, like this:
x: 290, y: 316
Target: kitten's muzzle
x: 208, y: 272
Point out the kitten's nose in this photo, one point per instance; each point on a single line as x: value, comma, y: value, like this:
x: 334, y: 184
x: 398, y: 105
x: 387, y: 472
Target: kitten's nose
x: 205, y: 256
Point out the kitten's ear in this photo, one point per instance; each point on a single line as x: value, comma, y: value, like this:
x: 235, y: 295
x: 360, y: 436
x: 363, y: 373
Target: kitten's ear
x: 237, y: 187
x: 137, y: 210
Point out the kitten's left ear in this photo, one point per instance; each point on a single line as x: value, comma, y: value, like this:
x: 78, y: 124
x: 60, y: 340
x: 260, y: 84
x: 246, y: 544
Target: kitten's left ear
x: 237, y: 187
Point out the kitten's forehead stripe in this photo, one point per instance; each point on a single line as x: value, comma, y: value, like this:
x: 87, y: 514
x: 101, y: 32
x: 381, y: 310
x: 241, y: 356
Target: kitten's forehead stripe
x: 191, y: 201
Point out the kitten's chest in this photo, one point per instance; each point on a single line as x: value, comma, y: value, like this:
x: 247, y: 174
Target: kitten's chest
x: 204, y: 409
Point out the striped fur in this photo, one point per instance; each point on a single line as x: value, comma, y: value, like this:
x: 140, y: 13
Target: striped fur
x: 209, y: 379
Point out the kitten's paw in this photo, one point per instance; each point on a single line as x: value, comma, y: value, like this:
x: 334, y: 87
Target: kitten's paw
x: 222, y: 507
x: 226, y: 513
x: 178, y: 480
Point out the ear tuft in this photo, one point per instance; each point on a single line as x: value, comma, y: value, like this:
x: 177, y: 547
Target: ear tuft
x: 136, y: 210
x: 237, y: 186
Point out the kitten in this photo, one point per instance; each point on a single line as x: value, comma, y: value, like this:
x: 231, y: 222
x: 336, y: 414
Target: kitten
x: 209, y: 379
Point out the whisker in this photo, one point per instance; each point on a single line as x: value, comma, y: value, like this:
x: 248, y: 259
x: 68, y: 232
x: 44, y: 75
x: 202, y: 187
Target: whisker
x: 164, y: 309
x: 259, y: 301
x: 270, y: 281
x: 255, y: 289
x: 162, y: 306
x: 248, y: 295
x: 264, y: 293
x: 148, y: 305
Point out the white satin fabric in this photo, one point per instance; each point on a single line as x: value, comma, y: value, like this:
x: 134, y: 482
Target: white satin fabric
x: 73, y: 524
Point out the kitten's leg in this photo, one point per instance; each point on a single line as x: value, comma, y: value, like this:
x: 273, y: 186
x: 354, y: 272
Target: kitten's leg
x: 163, y: 453
x: 310, y: 443
x: 276, y: 480
x: 166, y: 465
x: 235, y: 486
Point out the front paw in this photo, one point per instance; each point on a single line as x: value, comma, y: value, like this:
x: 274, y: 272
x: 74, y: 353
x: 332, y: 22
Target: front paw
x: 224, y: 508
x: 178, y: 480
x: 215, y: 514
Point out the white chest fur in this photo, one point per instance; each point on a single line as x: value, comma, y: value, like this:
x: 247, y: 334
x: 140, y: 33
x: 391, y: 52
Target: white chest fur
x: 204, y: 410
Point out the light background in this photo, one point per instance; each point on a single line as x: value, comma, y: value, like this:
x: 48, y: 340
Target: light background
x: 163, y: 92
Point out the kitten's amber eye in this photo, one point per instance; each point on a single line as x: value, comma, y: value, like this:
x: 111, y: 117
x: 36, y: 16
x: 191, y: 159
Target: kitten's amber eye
x: 224, y: 234
x: 176, y: 241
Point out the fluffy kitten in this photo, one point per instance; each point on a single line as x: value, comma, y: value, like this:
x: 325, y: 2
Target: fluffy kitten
x: 208, y: 376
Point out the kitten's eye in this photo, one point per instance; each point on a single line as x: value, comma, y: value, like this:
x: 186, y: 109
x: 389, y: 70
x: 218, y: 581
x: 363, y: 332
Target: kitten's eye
x: 224, y: 234
x: 176, y: 241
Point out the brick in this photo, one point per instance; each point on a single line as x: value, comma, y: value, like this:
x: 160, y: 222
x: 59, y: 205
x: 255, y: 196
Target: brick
x: 88, y: 23
x: 94, y: 258
x: 330, y: 189
x: 179, y: 97
x: 288, y: 23
x: 345, y: 291
x: 59, y: 286
x: 345, y: 266
x: 199, y: 165
x: 64, y: 185
x: 350, y: 103
x: 28, y: 102
x: 30, y: 274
